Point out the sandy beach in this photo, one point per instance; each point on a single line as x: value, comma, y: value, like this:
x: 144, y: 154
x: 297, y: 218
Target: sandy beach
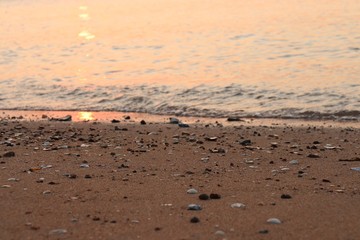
x: 127, y: 180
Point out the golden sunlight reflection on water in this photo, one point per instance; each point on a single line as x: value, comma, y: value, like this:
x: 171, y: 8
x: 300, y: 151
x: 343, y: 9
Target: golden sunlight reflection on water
x: 85, y: 116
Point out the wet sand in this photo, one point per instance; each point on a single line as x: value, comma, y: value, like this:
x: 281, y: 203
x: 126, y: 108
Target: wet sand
x: 126, y: 180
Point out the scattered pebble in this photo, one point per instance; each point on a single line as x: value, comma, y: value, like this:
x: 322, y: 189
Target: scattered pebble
x: 204, y: 196
x: 46, y: 192
x: 215, y: 196
x: 273, y: 221
x: 194, y: 207
x: 356, y: 169
x: 194, y: 220
x: 5, y: 186
x: 220, y: 233
x: 285, y: 196
x: 238, y: 205
x: 174, y: 120
x: 264, y: 231
x: 313, y: 155
x: 294, y: 162
x: 84, y: 165
x: 9, y: 154
x: 57, y: 231
x: 192, y: 191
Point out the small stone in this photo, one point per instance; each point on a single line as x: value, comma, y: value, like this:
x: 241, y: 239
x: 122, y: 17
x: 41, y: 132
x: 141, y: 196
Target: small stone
x: 215, y: 196
x: 194, y: 207
x: 220, y: 233
x: 211, y: 139
x: 57, y: 231
x: 273, y: 221
x: 192, y: 191
x: 87, y: 176
x: 234, y: 119
x: 238, y: 205
x: 84, y: 165
x: 13, y: 179
x: 46, y: 192
x: 285, y: 196
x: 246, y: 143
x: 356, y: 169
x: 142, y: 122
x: 174, y: 120
x: 115, y: 121
x: 194, y: 220
x: 264, y: 231
x: 204, y: 196
x: 313, y: 155
x: 294, y: 162
x: 183, y: 125
x: 9, y: 154
x: 5, y: 186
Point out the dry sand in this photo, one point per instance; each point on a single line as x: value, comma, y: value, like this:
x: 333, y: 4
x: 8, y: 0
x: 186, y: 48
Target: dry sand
x: 90, y: 180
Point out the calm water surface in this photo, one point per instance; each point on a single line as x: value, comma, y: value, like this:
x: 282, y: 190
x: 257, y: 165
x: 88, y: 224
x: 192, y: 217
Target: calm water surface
x: 274, y: 58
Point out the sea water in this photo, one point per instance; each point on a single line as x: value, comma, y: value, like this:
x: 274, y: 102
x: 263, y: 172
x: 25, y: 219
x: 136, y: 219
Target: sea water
x: 247, y: 58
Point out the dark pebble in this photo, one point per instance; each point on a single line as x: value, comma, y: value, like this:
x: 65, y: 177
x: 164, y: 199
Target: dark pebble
x: 183, y: 125
x: 233, y: 119
x: 326, y: 180
x: 96, y: 219
x: 115, y: 121
x: 215, y: 196
x: 194, y: 220
x: 88, y: 176
x: 246, y: 143
x: 157, y: 229
x: 285, y: 196
x: 142, y: 122
x: 264, y: 231
x: 312, y: 155
x: 9, y: 154
x: 204, y: 196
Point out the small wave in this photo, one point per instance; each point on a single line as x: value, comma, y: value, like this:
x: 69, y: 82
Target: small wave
x: 254, y: 101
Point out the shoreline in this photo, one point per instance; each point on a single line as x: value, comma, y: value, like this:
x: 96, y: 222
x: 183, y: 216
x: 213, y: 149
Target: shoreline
x: 126, y: 180
x: 98, y: 116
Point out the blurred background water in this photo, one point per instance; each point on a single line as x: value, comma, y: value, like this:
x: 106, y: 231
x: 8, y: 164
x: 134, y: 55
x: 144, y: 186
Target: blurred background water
x: 254, y: 58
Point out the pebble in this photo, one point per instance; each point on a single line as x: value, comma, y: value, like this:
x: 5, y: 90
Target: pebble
x: 238, y: 205
x: 5, y: 186
x: 142, y: 122
x: 192, y: 191
x: 13, y: 180
x: 57, y: 231
x: 273, y: 221
x: 194, y: 207
x: 220, y: 233
x: 313, y: 155
x: 234, y: 119
x: 264, y: 231
x: 356, y: 169
x: 294, y: 162
x: 204, y: 196
x: 46, y: 192
x: 194, y: 220
x: 183, y: 125
x: 174, y: 120
x: 84, y: 165
x: 215, y: 196
x: 246, y: 143
x: 9, y: 154
x: 285, y: 196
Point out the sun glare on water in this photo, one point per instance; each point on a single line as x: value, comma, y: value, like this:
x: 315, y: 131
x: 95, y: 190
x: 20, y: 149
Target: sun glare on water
x: 86, y: 116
